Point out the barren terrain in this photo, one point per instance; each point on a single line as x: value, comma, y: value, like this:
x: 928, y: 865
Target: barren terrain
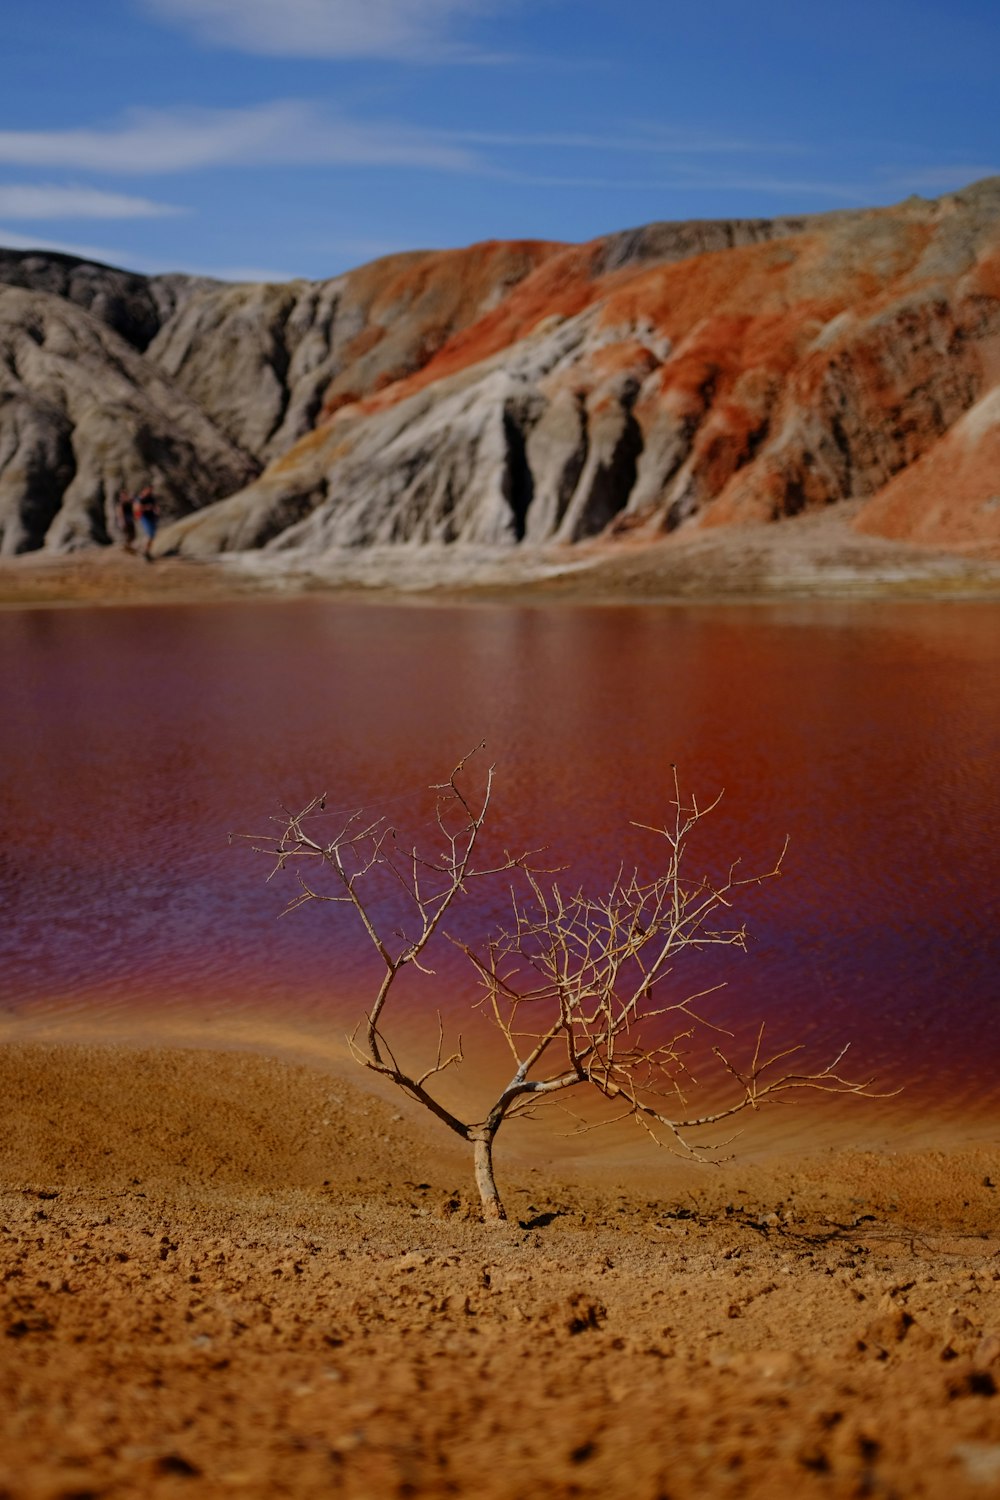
x: 228, y: 1273
x: 819, y: 555
x: 245, y: 1272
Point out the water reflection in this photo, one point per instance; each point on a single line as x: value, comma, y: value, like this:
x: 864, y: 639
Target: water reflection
x: 135, y: 740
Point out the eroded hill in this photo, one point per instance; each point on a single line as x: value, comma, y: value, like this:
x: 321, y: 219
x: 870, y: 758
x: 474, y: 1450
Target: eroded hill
x: 662, y: 380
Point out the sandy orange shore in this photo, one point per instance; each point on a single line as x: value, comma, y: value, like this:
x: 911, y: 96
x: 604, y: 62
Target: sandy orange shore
x: 813, y: 555
x: 225, y: 1273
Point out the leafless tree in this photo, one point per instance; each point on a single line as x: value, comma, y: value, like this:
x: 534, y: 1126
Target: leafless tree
x: 581, y: 987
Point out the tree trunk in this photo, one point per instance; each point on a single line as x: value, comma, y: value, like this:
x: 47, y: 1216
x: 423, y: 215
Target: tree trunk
x: 482, y: 1147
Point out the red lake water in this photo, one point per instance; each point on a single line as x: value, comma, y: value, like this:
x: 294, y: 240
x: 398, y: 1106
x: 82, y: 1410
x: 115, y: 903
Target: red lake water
x: 134, y: 741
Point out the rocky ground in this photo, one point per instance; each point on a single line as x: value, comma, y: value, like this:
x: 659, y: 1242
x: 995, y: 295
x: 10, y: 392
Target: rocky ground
x: 224, y: 1273
x: 816, y: 555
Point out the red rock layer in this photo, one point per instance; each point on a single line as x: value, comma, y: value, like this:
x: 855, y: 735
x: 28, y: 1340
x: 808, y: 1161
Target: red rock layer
x: 805, y: 367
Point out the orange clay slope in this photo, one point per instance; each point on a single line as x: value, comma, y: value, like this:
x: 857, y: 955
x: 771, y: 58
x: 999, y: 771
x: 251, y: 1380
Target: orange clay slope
x: 688, y: 376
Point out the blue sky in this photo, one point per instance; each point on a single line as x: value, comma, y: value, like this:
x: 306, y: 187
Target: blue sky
x: 268, y: 139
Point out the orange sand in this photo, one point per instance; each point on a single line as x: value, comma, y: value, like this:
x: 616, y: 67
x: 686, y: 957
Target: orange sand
x: 817, y: 555
x: 229, y: 1273
x: 224, y: 1273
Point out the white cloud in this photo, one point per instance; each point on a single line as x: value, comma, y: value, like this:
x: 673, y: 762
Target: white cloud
x: 283, y: 132
x: 12, y: 239
x: 653, y: 142
x: 298, y: 132
x: 19, y: 200
x: 302, y: 133
x: 943, y: 179
x: 689, y: 183
x: 406, y: 30
x: 149, y: 265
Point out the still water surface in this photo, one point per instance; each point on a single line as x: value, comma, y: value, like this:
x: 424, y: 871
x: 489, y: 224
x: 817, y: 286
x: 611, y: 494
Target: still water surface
x: 135, y: 740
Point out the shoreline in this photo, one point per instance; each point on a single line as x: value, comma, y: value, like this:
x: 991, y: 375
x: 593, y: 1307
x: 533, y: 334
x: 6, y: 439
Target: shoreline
x: 234, y: 1262
x: 816, y: 556
x: 803, y: 1125
x: 230, y: 1273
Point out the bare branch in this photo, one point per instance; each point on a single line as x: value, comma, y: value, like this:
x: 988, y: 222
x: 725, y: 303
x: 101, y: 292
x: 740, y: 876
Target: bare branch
x: 580, y: 985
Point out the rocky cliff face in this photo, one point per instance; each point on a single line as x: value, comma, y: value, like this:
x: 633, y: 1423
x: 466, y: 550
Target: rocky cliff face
x: 134, y: 306
x: 81, y: 415
x: 195, y: 384
x: 663, y: 381
x: 672, y: 377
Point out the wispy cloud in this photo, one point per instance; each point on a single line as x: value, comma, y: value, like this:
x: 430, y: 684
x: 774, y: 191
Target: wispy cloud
x: 303, y: 133
x: 13, y: 239
x: 675, y: 142
x: 943, y: 179
x: 150, y: 265
x: 282, y: 132
x: 51, y: 201
x: 405, y: 30
x: 708, y: 183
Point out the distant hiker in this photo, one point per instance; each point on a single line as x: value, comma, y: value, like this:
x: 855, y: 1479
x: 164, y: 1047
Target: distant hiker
x: 125, y: 517
x: 147, y: 513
